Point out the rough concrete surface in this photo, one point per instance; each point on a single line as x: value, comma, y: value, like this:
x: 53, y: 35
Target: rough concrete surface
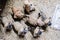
x: 47, y: 6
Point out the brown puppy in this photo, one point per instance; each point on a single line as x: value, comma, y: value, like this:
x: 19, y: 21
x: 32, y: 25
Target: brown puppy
x: 17, y: 12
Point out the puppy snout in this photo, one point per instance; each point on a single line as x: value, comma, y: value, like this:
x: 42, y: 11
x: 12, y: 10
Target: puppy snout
x: 36, y: 35
x: 8, y: 28
x: 23, y: 32
x: 39, y: 33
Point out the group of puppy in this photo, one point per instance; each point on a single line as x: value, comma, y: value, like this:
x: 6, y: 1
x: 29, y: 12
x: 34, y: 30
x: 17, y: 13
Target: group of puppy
x: 23, y: 21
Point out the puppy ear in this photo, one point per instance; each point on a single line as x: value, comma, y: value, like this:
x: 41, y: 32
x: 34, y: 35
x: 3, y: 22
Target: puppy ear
x: 14, y: 9
x: 6, y: 25
x: 15, y: 16
x: 19, y: 32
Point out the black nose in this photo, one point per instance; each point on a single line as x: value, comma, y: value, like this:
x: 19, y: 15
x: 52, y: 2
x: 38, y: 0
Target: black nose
x: 24, y: 32
x: 49, y: 23
x: 39, y: 33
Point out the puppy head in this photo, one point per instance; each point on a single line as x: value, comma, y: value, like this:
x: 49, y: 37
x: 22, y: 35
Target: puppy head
x: 32, y: 7
x: 22, y: 32
x: 37, y: 33
x: 8, y: 27
x: 17, y: 12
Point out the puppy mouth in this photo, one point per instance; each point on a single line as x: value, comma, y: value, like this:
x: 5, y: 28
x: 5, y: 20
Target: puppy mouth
x: 21, y: 35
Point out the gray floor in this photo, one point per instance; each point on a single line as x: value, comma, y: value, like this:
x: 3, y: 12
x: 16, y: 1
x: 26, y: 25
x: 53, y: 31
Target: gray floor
x: 47, y: 6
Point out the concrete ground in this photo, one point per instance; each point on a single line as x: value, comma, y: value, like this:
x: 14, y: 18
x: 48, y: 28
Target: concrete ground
x: 47, y: 6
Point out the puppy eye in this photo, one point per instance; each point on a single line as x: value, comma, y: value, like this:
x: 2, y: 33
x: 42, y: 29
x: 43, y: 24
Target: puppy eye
x: 30, y: 4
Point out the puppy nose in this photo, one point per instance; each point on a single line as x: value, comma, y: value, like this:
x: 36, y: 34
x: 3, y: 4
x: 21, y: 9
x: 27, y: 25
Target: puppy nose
x: 39, y: 33
x: 49, y: 23
x: 25, y: 31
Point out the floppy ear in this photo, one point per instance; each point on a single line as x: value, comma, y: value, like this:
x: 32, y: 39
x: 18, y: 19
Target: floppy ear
x: 6, y: 24
x: 18, y: 32
x: 13, y: 9
x: 15, y: 16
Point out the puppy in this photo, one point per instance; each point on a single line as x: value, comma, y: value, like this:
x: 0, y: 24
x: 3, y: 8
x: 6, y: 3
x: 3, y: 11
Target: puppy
x: 32, y: 18
x: 20, y: 29
x: 17, y: 12
x: 7, y: 24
